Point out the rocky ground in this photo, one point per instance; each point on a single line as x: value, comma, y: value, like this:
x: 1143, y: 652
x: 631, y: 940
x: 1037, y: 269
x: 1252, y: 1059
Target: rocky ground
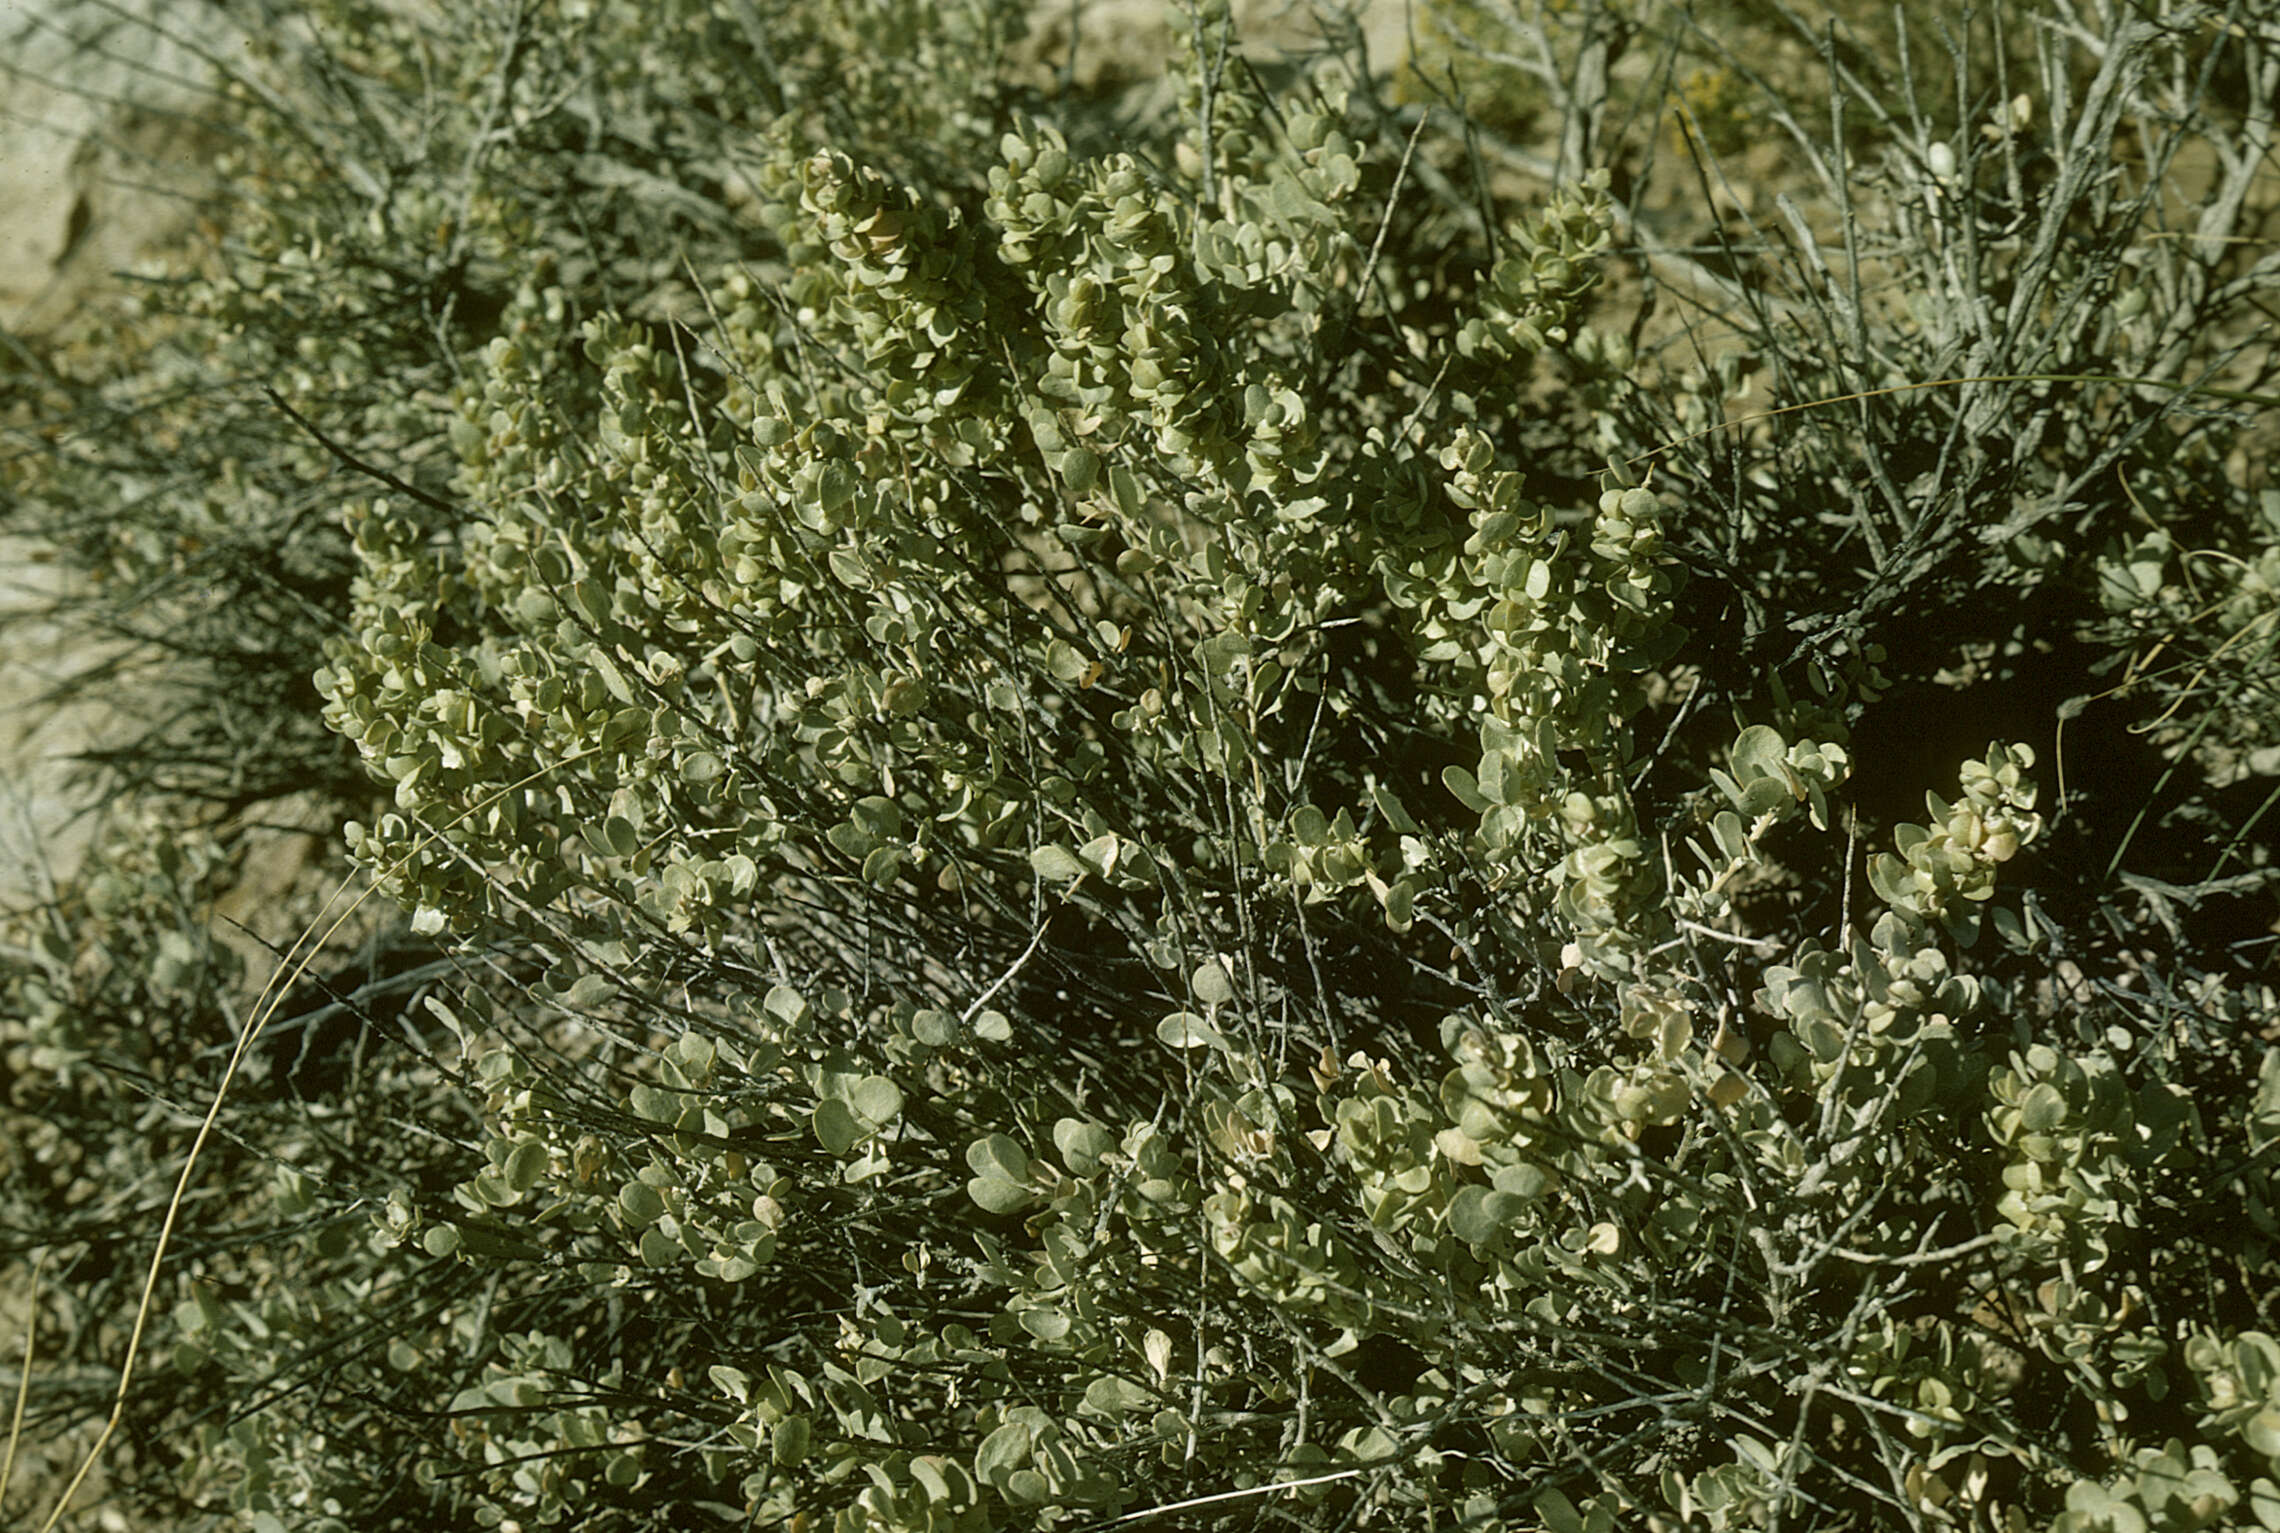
x: 100, y: 159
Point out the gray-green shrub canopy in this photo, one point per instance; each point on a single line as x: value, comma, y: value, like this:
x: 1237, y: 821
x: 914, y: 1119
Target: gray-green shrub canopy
x: 1107, y: 797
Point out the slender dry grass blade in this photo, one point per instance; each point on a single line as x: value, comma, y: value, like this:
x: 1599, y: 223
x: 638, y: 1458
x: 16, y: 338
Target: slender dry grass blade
x: 24, y: 1380
x: 288, y: 974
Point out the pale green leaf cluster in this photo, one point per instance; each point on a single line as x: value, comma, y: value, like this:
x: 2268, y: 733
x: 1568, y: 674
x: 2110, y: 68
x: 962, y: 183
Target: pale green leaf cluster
x: 1079, y: 860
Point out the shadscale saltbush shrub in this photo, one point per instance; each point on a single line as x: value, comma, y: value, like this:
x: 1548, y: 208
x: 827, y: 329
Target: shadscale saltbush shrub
x: 1082, y: 885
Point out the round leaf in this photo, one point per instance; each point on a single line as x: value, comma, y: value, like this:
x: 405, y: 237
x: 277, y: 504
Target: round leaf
x: 1186, y: 1030
x: 1478, y: 1215
x: 999, y: 1156
x: 619, y: 835
x: 641, y: 1204
x: 1759, y: 752
x: 998, y: 1195
x: 1056, y: 864
x: 526, y: 1164
x: 1001, y: 1453
x: 1082, y: 1144
x: 877, y: 1099
x: 2043, y: 1109
x: 590, y: 991
x: 835, y: 1126
x: 1112, y: 1396
x: 1045, y: 1324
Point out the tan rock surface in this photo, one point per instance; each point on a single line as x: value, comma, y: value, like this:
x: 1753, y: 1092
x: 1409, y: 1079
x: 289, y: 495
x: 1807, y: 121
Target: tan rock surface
x: 102, y: 151
x: 103, y: 141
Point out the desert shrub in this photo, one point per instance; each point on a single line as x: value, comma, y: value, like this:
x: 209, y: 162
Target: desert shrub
x: 1088, y: 828
x: 188, y: 446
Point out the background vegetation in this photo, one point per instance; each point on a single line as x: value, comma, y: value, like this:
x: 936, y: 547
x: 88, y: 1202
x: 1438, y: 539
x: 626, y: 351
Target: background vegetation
x: 1524, y: 781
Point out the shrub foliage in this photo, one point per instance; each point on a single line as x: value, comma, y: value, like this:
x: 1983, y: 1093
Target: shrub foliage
x: 1105, y: 799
